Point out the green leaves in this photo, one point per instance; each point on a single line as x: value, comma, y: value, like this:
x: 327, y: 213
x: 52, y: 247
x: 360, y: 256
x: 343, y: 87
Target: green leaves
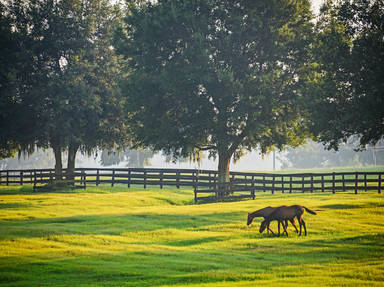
x: 348, y: 84
x: 219, y: 74
x: 68, y: 85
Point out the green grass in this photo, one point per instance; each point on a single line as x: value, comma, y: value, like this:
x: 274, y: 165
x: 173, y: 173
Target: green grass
x: 135, y: 237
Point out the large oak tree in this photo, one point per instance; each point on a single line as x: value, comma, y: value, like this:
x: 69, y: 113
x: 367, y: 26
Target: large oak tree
x: 216, y: 75
x: 69, y: 91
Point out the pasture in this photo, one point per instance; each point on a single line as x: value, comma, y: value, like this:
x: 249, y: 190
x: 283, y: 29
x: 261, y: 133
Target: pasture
x: 117, y: 236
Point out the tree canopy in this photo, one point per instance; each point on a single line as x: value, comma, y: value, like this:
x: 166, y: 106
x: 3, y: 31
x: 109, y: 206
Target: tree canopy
x: 13, y: 66
x: 216, y: 75
x: 346, y: 95
x: 69, y: 92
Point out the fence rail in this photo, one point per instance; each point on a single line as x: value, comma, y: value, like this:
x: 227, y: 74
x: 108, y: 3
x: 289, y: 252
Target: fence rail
x: 205, y: 181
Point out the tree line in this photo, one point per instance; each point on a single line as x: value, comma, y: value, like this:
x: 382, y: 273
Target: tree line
x: 314, y: 155
x: 184, y: 77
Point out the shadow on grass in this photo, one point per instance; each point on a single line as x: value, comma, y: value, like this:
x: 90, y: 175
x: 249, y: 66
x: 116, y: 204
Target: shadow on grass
x: 341, y: 206
x: 13, y: 205
x: 171, y: 267
x: 110, y: 224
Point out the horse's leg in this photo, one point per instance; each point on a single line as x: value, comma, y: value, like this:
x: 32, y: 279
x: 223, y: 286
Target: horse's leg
x: 305, y: 228
x: 278, y: 228
x: 300, y: 223
x: 269, y: 229
x: 285, y: 224
x: 293, y: 224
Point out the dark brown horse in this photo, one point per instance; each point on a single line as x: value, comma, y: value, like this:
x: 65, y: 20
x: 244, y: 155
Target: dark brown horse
x: 265, y: 212
x: 284, y: 213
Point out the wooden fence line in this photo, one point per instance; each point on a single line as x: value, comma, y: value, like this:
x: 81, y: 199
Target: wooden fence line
x: 205, y: 181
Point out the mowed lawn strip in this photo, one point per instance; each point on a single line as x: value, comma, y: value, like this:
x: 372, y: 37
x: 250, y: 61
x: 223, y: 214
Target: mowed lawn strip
x: 157, y: 237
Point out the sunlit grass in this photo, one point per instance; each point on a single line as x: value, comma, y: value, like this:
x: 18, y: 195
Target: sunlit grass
x: 157, y: 237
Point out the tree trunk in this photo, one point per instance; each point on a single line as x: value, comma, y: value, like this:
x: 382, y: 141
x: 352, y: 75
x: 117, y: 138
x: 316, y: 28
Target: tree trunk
x: 224, y: 161
x: 72, y: 150
x: 58, y: 161
x: 138, y: 159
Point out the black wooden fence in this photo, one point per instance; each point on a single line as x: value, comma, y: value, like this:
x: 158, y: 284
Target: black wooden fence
x: 206, y: 181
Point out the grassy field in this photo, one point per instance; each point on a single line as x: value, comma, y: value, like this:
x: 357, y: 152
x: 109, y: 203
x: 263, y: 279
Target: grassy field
x: 150, y: 237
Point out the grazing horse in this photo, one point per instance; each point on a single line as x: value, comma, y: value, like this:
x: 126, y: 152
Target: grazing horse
x: 264, y: 212
x: 284, y: 213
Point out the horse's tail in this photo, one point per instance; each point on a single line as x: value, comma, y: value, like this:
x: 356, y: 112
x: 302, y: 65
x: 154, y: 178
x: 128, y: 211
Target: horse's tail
x: 310, y: 211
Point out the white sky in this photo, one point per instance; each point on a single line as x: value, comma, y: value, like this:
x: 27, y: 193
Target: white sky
x: 316, y: 5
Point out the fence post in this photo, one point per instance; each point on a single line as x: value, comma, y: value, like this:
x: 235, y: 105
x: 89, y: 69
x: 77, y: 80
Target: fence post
x: 196, y: 178
x: 21, y: 177
x: 129, y: 178
x: 322, y: 183
x: 311, y: 183
x: 145, y: 178
x: 209, y: 175
x: 50, y: 177
x: 273, y: 184
x: 253, y: 187
x: 365, y: 182
x: 34, y: 179
x: 302, y: 183
x: 98, y: 177
x: 85, y: 179
x: 379, y: 189
x: 290, y: 184
x: 178, y: 179
x: 333, y: 182
x: 263, y: 183
x: 356, y: 181
x: 343, y: 182
x: 113, y: 177
x: 7, y: 177
x: 161, y: 179
x: 282, y: 184
x: 195, y: 192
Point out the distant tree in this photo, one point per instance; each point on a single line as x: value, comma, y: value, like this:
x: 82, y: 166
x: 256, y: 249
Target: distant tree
x: 314, y: 154
x: 132, y: 158
x: 70, y: 90
x: 216, y: 75
x: 347, y: 92
x: 39, y: 159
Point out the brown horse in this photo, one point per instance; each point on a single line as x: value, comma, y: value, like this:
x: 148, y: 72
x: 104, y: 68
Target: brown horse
x: 284, y: 213
x: 264, y: 212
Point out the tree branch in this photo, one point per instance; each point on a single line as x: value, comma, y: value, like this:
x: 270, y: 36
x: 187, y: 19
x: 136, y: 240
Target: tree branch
x: 204, y: 148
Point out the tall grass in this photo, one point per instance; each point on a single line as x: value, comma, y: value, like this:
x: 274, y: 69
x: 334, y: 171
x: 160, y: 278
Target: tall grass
x: 135, y: 237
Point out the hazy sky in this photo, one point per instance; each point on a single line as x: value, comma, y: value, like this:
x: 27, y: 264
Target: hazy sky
x: 316, y: 5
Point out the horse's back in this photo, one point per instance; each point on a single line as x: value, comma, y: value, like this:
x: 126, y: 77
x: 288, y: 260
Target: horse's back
x: 264, y: 212
x: 287, y: 212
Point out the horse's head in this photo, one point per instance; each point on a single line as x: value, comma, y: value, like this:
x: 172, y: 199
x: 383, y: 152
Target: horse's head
x: 249, y: 219
x: 263, y: 226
